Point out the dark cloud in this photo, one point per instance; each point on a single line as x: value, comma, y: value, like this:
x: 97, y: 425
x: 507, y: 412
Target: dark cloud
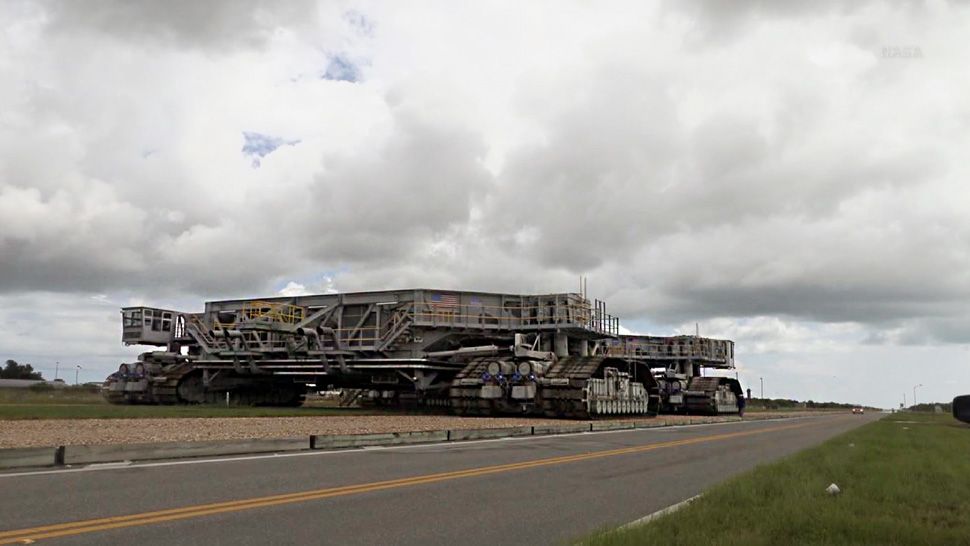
x: 788, y: 173
x: 585, y: 194
x: 716, y: 22
x: 182, y: 23
x: 418, y: 184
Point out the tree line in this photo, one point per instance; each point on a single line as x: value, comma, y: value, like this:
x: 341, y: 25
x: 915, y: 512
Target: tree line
x: 946, y: 407
x: 786, y: 403
x: 13, y: 370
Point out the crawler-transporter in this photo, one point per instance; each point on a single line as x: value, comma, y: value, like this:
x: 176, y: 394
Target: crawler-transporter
x: 476, y: 353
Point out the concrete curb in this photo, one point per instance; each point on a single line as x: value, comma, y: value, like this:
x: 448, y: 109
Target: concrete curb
x: 341, y: 441
x: 488, y: 433
x: 30, y: 457
x: 176, y: 450
x: 77, y: 455
x: 549, y: 430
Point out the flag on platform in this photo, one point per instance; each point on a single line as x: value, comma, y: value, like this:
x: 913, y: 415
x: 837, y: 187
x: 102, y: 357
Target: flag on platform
x: 444, y: 300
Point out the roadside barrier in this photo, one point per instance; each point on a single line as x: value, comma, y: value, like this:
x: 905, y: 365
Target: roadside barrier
x: 61, y: 456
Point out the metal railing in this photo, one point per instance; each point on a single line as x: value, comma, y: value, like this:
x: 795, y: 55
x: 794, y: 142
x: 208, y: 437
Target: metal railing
x: 671, y: 348
x: 561, y: 313
x: 517, y: 316
x: 273, y: 312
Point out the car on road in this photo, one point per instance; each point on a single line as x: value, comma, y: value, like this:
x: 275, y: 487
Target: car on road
x: 860, y: 411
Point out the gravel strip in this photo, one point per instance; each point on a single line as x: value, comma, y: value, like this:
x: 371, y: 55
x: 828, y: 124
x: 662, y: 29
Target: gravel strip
x: 53, y: 432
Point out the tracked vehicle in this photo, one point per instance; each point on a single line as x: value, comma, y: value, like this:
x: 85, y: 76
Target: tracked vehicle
x: 475, y: 352
x: 676, y: 362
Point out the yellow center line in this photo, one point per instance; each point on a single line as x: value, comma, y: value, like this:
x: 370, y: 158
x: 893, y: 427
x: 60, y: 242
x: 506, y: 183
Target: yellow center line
x: 146, y: 518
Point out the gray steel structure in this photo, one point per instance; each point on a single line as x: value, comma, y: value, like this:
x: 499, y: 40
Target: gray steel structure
x: 677, y: 363
x: 477, y: 352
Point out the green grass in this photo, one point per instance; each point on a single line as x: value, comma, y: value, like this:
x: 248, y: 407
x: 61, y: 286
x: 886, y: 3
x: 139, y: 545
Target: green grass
x: 905, y: 479
x: 762, y: 409
x: 66, y: 395
x: 78, y: 403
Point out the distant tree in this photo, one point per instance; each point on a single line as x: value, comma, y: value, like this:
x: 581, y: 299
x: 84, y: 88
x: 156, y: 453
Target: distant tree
x: 12, y: 370
x: 946, y: 407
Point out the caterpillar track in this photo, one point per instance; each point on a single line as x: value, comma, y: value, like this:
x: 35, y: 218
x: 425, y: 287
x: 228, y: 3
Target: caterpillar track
x: 154, y: 379
x: 165, y: 379
x: 573, y: 387
x: 713, y: 395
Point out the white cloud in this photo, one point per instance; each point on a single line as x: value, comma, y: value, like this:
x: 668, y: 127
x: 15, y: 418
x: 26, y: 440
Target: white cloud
x: 293, y: 289
x: 764, y: 169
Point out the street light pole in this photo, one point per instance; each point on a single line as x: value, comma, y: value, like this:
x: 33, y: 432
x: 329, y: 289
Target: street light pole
x: 75, y: 374
x: 762, y: 388
x: 57, y: 368
x: 914, y: 393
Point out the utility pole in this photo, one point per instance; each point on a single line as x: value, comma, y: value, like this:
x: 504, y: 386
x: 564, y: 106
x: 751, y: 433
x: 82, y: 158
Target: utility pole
x: 762, y: 388
x: 57, y: 368
x: 914, y: 393
x: 904, y: 399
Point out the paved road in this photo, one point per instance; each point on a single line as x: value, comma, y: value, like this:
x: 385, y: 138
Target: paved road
x: 541, y: 490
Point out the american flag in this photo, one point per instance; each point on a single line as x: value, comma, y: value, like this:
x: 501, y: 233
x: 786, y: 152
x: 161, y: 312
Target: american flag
x: 444, y: 300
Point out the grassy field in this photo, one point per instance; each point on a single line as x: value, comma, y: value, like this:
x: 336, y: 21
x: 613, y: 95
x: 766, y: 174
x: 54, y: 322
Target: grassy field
x: 78, y: 403
x: 905, y: 479
x: 761, y: 409
x: 67, y: 395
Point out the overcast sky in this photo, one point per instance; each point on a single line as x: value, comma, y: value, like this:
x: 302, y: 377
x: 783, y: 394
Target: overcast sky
x: 790, y: 175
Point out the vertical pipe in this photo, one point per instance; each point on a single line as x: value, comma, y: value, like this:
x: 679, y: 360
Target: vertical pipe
x: 561, y: 344
x: 599, y: 315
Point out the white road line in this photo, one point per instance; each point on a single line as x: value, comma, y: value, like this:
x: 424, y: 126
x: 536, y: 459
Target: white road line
x: 103, y: 466
x: 126, y: 465
x: 659, y: 513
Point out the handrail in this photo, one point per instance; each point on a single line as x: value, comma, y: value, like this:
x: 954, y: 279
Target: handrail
x: 198, y: 329
x: 396, y: 325
x: 274, y: 312
x: 701, y: 349
x: 579, y: 314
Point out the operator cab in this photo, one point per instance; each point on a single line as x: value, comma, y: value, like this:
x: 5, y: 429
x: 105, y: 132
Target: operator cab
x: 148, y: 325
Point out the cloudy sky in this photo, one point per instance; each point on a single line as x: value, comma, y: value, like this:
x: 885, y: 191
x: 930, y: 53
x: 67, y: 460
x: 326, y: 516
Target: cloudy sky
x: 793, y: 176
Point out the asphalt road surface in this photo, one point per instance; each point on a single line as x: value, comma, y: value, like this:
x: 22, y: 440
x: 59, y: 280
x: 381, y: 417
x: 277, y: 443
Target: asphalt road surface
x: 532, y: 490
